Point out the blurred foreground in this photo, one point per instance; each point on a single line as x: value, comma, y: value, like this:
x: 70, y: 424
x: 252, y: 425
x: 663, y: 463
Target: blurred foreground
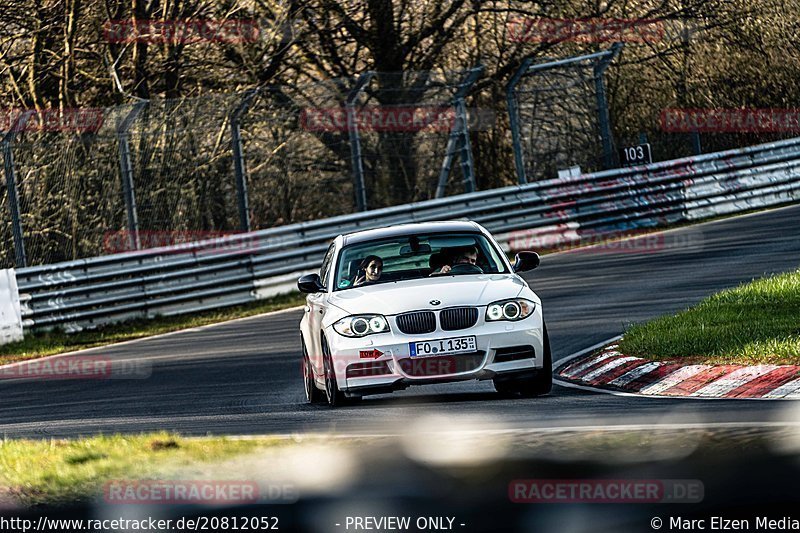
x: 434, y: 477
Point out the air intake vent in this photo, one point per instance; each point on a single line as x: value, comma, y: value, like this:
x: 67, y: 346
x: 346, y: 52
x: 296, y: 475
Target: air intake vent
x: 417, y: 322
x: 514, y: 353
x: 458, y: 318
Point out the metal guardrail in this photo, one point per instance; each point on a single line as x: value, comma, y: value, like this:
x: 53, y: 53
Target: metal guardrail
x: 242, y: 268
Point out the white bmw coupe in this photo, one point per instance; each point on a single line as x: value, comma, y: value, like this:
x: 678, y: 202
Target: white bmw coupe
x: 417, y: 304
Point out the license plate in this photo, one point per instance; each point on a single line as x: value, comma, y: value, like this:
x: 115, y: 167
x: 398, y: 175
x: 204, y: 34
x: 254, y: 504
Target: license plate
x: 443, y: 346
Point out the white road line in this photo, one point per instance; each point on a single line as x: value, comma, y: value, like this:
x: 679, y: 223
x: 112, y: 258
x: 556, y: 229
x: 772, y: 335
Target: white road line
x: 682, y: 374
x: 142, y: 339
x: 300, y: 437
x: 565, y: 360
x: 590, y: 388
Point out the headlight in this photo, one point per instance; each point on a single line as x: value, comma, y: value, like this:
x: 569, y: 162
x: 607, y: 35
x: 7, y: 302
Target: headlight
x: 513, y: 310
x: 361, y: 325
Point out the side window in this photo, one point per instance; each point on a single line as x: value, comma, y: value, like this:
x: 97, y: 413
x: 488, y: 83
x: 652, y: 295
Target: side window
x: 325, y: 270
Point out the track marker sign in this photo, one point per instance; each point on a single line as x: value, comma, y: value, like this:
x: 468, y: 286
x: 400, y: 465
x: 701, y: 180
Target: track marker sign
x: 640, y: 154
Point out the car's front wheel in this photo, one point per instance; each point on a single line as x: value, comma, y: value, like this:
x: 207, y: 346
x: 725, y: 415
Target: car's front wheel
x: 537, y: 385
x: 313, y: 394
x: 334, y: 396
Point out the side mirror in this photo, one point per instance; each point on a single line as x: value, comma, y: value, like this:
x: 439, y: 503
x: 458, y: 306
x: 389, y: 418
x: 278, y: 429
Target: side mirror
x: 526, y: 261
x: 310, y: 284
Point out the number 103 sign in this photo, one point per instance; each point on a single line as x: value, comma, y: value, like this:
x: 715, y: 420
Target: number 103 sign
x: 636, y: 155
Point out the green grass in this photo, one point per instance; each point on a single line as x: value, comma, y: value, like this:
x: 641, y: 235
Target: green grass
x: 57, y: 341
x: 755, y: 323
x: 57, y: 472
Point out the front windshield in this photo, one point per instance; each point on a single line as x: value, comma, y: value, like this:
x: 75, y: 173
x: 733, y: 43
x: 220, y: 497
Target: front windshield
x: 415, y: 257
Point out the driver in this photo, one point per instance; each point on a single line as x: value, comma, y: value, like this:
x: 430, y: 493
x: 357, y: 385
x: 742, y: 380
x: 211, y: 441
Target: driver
x: 468, y: 256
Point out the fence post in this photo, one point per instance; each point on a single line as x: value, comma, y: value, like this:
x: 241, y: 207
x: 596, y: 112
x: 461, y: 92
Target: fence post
x: 355, y: 140
x: 602, y: 105
x: 126, y: 173
x: 459, y: 137
x: 513, y: 117
x: 467, y: 163
x: 21, y: 259
x: 698, y: 149
x: 239, y: 168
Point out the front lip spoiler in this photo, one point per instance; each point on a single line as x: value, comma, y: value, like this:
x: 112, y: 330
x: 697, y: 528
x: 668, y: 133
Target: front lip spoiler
x: 402, y: 383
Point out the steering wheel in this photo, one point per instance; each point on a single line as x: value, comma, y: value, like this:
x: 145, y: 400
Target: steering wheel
x: 465, y: 268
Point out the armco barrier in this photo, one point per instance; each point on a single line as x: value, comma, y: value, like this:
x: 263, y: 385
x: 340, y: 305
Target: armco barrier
x: 242, y: 268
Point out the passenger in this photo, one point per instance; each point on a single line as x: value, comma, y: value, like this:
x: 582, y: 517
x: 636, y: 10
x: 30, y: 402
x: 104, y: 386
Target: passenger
x: 369, y: 271
x: 468, y: 256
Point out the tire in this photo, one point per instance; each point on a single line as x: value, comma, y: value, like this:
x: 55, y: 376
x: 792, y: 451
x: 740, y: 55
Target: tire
x: 333, y: 396
x: 313, y: 394
x: 538, y: 385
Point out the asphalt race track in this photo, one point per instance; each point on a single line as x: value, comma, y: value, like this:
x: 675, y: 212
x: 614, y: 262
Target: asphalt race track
x: 244, y: 377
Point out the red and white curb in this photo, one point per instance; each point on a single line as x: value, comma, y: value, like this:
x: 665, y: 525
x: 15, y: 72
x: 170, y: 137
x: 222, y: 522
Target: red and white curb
x: 608, y: 369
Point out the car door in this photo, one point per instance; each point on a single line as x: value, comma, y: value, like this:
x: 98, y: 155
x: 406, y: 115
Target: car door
x: 316, y: 308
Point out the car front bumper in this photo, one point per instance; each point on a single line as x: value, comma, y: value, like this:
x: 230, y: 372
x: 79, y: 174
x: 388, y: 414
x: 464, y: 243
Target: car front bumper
x: 382, y: 362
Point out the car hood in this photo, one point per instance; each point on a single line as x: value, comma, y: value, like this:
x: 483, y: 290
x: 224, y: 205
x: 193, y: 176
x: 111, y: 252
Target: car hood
x: 452, y: 291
